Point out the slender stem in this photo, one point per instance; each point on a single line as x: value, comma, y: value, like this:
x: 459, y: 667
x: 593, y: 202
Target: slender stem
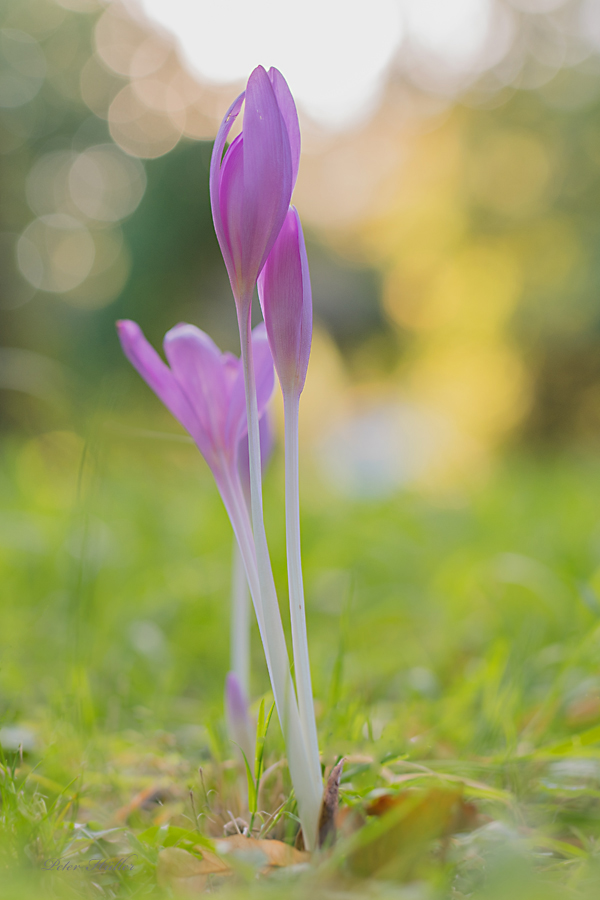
x: 308, y: 790
x: 295, y: 584
x: 240, y: 620
x: 231, y: 494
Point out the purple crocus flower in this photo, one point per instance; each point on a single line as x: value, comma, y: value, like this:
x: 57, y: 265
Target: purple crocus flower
x: 202, y: 387
x: 251, y: 183
x: 250, y: 189
x: 237, y: 711
x: 286, y: 300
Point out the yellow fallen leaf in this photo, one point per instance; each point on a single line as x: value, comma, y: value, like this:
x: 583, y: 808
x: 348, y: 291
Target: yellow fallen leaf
x: 187, y: 873
x: 181, y: 871
x: 400, y: 834
x: 276, y: 853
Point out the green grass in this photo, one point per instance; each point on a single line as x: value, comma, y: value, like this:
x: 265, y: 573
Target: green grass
x: 455, y: 638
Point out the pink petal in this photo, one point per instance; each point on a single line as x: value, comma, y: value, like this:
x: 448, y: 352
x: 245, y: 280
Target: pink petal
x: 157, y: 375
x: 263, y: 367
x: 287, y: 107
x: 231, y: 194
x: 237, y: 712
x: 199, y: 369
x: 215, y: 174
x: 267, y: 442
x: 237, y: 423
x: 286, y: 300
x: 267, y: 175
x: 307, y: 310
x: 267, y: 437
x: 231, y: 366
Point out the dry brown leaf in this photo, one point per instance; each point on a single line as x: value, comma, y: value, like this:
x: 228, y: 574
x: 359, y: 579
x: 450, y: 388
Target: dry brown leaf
x: 276, y: 853
x: 394, y: 843
x: 181, y: 871
x: 466, y: 816
x: 186, y: 873
x: 181, y: 863
x: 383, y: 804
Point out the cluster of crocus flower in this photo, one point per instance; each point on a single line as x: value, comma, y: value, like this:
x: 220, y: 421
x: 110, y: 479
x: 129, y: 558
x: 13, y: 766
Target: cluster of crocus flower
x: 221, y: 400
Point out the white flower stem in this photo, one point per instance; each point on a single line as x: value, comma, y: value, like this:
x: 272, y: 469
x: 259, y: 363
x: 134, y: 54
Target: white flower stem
x: 232, y: 496
x: 295, y: 584
x: 307, y: 789
x: 240, y: 620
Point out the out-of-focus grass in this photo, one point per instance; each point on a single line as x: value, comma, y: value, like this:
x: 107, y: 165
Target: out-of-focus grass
x: 460, y: 633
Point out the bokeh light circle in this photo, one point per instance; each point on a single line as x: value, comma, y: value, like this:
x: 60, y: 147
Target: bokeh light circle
x: 47, y: 185
x: 334, y: 53
x: 55, y: 253
x: 22, y: 68
x: 105, y: 184
x: 142, y: 130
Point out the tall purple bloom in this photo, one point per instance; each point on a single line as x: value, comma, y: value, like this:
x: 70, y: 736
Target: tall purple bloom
x: 251, y: 183
x: 250, y: 188
x: 286, y: 300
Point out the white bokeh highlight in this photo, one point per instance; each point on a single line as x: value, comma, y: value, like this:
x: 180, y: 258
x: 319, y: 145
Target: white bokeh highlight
x: 333, y: 53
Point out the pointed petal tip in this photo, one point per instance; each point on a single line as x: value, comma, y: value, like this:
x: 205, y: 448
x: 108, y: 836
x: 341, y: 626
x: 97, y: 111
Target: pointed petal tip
x: 261, y: 69
x: 184, y: 335
x: 258, y: 78
x: 179, y: 326
x: 127, y: 330
x: 180, y: 330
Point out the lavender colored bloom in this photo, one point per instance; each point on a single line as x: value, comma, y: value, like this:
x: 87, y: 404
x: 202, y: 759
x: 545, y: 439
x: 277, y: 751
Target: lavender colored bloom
x: 237, y: 712
x: 286, y: 300
x: 251, y: 183
x: 202, y: 387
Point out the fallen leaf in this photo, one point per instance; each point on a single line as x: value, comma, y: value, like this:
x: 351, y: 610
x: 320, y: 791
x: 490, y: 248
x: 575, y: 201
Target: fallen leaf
x: 383, y: 804
x: 182, y: 864
x: 466, y: 816
x: 329, y: 806
x: 276, y: 853
x: 187, y: 872
x: 400, y: 834
x: 181, y: 871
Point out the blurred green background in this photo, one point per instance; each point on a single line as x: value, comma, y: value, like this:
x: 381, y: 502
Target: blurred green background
x: 451, y: 419
x: 450, y: 425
